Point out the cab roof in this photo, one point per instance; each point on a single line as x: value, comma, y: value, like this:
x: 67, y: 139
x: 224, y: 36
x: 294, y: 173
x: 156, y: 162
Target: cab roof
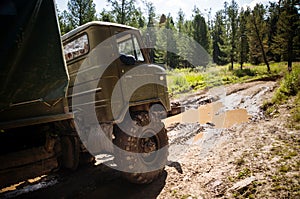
x: 94, y: 23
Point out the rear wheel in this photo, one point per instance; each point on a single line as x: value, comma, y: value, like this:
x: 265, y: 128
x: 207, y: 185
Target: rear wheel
x: 148, y: 144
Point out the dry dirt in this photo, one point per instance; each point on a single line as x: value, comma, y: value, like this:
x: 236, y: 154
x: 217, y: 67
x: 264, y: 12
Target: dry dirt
x: 256, y: 158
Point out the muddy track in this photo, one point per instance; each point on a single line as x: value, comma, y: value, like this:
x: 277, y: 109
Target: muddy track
x: 191, y: 142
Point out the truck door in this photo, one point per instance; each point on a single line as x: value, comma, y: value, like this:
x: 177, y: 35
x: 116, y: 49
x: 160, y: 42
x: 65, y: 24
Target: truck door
x: 129, y: 47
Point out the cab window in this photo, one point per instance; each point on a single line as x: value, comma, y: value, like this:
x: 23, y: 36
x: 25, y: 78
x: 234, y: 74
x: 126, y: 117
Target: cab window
x: 76, y: 47
x: 128, y: 45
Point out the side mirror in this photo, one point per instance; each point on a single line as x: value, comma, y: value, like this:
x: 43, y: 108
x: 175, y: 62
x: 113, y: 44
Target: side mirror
x: 127, y: 59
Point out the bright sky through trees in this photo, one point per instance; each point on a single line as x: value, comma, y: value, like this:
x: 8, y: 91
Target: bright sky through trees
x: 173, y: 6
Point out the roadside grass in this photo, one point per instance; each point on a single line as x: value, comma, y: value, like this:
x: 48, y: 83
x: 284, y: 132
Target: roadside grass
x: 289, y: 89
x: 189, y: 80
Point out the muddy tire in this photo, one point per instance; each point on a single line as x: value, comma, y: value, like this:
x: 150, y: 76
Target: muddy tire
x: 148, y: 143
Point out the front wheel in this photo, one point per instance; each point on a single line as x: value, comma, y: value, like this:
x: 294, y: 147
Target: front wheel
x: 142, y: 153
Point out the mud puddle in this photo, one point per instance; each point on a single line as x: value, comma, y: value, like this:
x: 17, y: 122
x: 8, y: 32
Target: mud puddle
x: 202, y: 124
x: 210, y: 114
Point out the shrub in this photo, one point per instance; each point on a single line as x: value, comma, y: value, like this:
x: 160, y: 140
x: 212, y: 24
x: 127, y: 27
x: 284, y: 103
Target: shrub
x: 289, y: 86
x: 244, y: 72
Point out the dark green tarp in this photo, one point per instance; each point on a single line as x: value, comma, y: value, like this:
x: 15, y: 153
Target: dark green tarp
x: 31, y: 59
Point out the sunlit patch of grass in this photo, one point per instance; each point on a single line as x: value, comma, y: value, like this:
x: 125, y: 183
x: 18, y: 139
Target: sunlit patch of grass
x: 194, y: 79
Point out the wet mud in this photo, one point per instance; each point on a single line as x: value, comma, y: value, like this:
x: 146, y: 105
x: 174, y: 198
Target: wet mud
x: 202, y: 124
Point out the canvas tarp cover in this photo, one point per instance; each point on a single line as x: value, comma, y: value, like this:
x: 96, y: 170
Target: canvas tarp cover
x: 31, y: 59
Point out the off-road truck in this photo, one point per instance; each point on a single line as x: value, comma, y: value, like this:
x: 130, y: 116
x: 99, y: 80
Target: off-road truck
x: 66, y: 99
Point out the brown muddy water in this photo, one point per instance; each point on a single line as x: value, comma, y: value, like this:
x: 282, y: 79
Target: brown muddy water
x: 211, y: 113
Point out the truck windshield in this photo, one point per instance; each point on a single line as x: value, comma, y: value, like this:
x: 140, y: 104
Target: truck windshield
x: 128, y: 45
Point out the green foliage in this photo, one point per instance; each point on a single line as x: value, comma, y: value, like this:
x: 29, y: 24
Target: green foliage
x: 177, y: 84
x: 262, y: 34
x: 289, y: 86
x: 244, y: 173
x: 257, y: 35
x: 64, y: 22
x: 286, y: 39
x: 243, y: 43
x: 81, y: 12
x: 106, y: 16
x: 196, y: 81
x: 218, y: 39
x: 296, y: 113
x: 193, y: 79
x: 200, y: 33
x: 232, y: 13
x: 151, y: 13
x: 244, y: 72
x: 284, y: 168
x: 123, y: 11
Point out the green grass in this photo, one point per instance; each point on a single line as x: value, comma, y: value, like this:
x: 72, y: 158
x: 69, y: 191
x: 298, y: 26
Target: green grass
x: 296, y: 113
x: 194, y: 79
x: 289, y: 87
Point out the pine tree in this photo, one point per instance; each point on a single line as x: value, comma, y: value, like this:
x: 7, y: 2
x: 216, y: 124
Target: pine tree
x: 151, y: 14
x: 64, y: 22
x: 123, y: 11
x: 217, y: 31
x: 272, y: 21
x: 200, y: 35
x: 171, y: 57
x: 257, y: 35
x: 182, y: 41
x: 233, y: 26
x: 137, y: 20
x: 150, y: 39
x: 287, y: 37
x: 160, y: 51
x: 225, y: 46
x: 106, y: 16
x: 242, y: 44
x: 81, y: 12
x: 180, y: 23
x: 185, y: 44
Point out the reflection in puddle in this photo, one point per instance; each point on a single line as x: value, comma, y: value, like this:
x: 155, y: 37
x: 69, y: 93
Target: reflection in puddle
x: 211, y: 113
x: 207, y: 123
x: 237, y: 116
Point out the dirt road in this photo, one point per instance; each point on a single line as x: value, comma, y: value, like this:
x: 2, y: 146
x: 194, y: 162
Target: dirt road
x: 218, y: 149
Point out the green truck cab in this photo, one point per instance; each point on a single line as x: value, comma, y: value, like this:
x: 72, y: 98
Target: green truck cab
x: 66, y: 99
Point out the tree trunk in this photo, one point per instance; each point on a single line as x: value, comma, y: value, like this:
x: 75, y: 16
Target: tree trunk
x: 261, y: 44
x: 123, y: 12
x: 290, y: 54
x: 231, y: 61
